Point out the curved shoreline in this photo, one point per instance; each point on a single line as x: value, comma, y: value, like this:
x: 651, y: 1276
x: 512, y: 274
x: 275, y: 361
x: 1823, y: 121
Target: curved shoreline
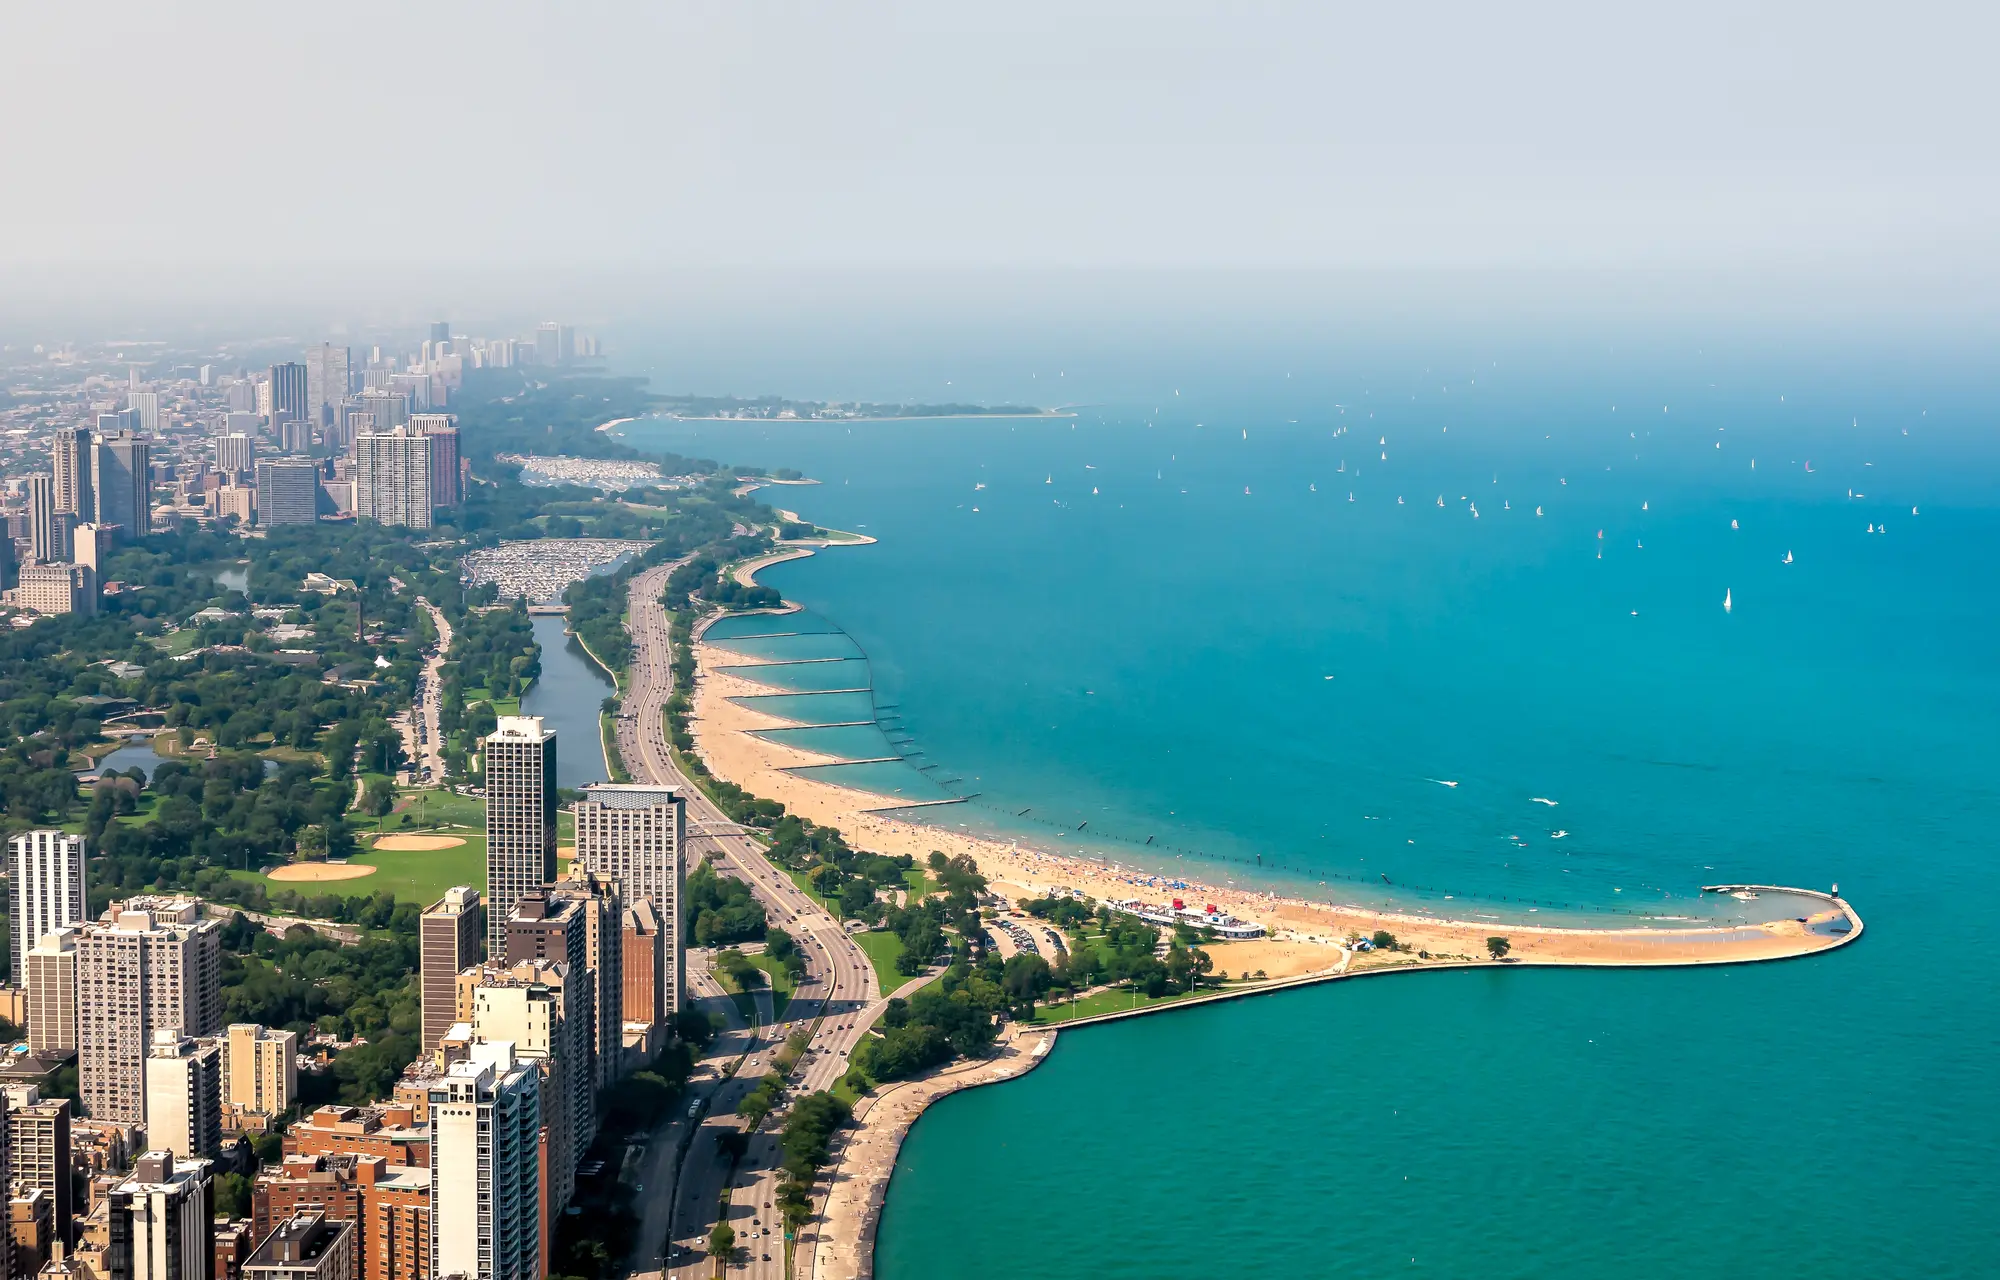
x: 725, y: 729
x: 857, y: 1197
x: 863, y: 1165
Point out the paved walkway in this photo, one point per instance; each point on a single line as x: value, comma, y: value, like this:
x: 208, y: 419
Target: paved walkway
x: 841, y: 1240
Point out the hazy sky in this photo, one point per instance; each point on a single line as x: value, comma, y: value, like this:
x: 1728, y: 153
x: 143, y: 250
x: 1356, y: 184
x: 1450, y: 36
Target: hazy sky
x: 235, y: 136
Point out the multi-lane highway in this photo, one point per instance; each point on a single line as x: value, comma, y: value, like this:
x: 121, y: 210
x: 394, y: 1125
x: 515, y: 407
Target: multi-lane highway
x: 427, y: 755
x: 835, y: 1004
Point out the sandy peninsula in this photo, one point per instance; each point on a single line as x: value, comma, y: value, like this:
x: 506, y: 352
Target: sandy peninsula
x: 1304, y: 935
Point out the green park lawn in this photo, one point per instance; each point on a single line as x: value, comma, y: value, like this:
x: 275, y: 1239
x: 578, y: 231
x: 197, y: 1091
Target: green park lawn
x: 1107, y: 1002
x: 882, y: 949
x: 781, y: 983
x: 437, y: 807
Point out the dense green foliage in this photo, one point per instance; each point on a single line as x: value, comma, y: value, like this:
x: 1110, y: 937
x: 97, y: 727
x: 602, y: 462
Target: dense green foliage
x: 307, y: 983
x: 720, y: 909
x: 806, y: 1141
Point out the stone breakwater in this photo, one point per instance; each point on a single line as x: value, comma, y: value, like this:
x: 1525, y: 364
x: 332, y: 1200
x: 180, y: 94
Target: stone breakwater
x: 842, y: 1240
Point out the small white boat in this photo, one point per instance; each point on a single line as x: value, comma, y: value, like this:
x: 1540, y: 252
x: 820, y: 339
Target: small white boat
x: 1726, y: 604
x: 1538, y: 511
x: 1734, y: 525
x: 1788, y: 558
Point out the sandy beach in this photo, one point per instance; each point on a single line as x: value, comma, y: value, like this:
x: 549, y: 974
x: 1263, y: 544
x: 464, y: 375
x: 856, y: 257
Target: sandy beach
x: 1304, y: 935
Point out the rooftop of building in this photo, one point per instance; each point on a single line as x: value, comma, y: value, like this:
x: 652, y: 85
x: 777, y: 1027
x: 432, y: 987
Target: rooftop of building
x: 295, y: 1241
x: 627, y: 795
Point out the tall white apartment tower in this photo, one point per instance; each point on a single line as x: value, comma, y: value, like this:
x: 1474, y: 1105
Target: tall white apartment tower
x: 147, y: 964
x: 392, y: 478
x: 44, y: 890
x: 184, y: 1096
x: 520, y: 762
x: 486, y: 1211
x: 637, y: 836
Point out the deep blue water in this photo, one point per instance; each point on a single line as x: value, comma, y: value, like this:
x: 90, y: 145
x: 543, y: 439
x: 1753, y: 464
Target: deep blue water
x: 1134, y: 621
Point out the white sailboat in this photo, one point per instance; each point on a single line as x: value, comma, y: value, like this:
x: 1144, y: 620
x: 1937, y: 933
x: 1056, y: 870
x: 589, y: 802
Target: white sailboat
x: 1788, y: 557
x: 1538, y: 511
x: 1726, y: 605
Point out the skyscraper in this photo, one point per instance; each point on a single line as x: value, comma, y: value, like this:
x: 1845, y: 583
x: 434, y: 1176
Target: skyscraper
x: 287, y: 491
x: 184, y: 1095
x: 603, y: 908
x: 162, y: 1221
x: 50, y: 977
x: 44, y: 889
x: 57, y: 588
x: 236, y: 453
x: 520, y: 763
x: 290, y: 395
x: 486, y: 1210
x: 440, y: 331
x: 38, y: 1150
x: 389, y: 409
x: 548, y: 344
x: 260, y: 1069
x: 448, y: 942
x: 635, y: 835
x: 536, y: 1007
x: 147, y: 405
x: 392, y: 478
x: 150, y: 963
x: 442, y: 431
x: 326, y: 381
x: 121, y: 478
x: 71, y: 455
x: 555, y: 925
x: 48, y: 524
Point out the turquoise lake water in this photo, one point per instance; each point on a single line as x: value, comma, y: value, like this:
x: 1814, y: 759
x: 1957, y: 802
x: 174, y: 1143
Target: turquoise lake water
x: 1166, y: 618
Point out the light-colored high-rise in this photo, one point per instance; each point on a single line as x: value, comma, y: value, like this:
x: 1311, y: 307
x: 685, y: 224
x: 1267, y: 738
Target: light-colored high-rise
x: 236, y: 452
x: 260, y: 1068
x: 287, y: 491
x: 160, y: 1227
x: 326, y: 381
x: 486, y: 1211
x: 635, y: 835
x: 38, y: 1150
x: 71, y: 455
x: 147, y: 405
x: 44, y: 889
x: 448, y: 944
x: 184, y: 1095
x: 50, y: 977
x: 392, y: 478
x: 92, y: 544
x: 57, y: 588
x: 542, y: 1009
x: 519, y: 757
x: 148, y: 964
x: 121, y: 479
